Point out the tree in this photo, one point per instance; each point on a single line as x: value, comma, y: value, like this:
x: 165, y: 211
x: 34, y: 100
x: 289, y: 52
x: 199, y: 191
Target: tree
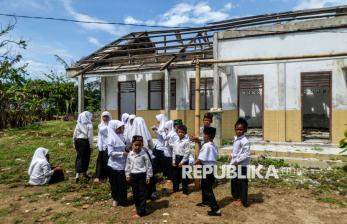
x: 11, y: 74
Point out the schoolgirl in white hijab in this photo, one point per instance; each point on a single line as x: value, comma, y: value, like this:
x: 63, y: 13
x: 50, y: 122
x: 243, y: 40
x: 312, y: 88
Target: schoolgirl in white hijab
x: 127, y: 129
x: 102, y: 160
x: 40, y: 171
x: 124, y: 118
x: 167, y: 149
x: 139, y: 127
x: 120, y: 126
x: 83, y: 142
x: 117, y: 161
x: 160, y: 145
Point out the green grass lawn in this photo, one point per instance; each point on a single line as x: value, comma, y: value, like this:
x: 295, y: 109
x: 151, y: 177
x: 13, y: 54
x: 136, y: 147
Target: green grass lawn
x: 18, y: 146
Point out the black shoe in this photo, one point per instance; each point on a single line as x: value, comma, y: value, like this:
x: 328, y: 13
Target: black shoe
x: 77, y: 180
x: 214, y: 213
x: 201, y: 204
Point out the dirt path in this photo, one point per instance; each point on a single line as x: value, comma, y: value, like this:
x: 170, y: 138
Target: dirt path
x: 268, y: 205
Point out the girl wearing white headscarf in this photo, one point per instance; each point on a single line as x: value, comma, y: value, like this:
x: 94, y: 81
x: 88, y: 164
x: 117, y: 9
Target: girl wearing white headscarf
x: 160, y: 146
x: 127, y: 130
x: 40, y: 171
x: 117, y: 160
x: 170, y: 135
x: 83, y: 141
x: 139, y: 127
x: 101, y: 162
x: 124, y: 118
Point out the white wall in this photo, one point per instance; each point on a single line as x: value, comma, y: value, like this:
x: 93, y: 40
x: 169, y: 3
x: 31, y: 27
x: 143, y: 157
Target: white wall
x: 282, y: 78
x: 293, y: 44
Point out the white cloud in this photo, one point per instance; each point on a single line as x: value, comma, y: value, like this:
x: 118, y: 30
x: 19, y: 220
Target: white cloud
x: 25, y: 4
x: 312, y: 4
x: 186, y: 13
x: 38, y: 49
x: 109, y: 28
x: 228, y: 6
x: 36, y: 69
x: 94, y: 41
x: 132, y: 20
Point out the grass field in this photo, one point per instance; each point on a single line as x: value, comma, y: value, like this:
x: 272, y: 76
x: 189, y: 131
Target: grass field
x: 310, y: 197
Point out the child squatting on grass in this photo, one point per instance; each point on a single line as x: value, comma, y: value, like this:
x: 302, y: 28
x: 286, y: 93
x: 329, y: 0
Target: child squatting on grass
x: 40, y: 170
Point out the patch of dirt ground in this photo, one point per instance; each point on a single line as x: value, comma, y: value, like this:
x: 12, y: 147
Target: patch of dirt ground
x: 23, y: 204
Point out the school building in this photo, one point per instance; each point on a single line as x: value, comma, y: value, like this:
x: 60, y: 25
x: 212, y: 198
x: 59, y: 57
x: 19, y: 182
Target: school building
x: 284, y: 72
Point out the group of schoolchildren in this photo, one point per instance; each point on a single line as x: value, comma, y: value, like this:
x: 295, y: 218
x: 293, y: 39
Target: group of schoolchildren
x: 128, y: 156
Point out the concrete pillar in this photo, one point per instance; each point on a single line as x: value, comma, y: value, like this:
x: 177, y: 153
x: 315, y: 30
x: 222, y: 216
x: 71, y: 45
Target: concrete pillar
x: 103, y: 93
x: 216, y: 95
x: 80, y: 94
x: 167, y: 93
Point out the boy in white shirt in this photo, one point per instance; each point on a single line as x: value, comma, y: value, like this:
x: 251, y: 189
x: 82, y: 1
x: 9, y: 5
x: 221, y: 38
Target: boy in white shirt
x: 180, y: 157
x: 138, y: 171
x: 240, y: 158
x: 208, y: 157
x: 207, y: 121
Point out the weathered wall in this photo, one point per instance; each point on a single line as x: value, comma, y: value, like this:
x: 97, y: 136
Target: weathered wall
x: 282, y: 79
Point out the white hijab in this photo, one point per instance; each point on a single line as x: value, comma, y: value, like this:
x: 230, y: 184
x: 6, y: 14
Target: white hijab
x: 83, y: 120
x: 127, y: 130
x: 139, y: 127
x: 103, y: 131
x: 169, y: 127
x: 161, y: 118
x: 112, y: 138
x: 125, y: 117
x: 106, y: 113
x: 38, y: 157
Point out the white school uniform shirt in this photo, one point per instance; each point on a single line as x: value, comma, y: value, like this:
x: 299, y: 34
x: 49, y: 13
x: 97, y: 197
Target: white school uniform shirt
x: 181, y: 148
x: 84, y: 127
x: 40, y: 171
x: 116, y: 148
x: 241, y: 151
x: 102, y: 137
x: 160, y: 132
x: 208, y: 154
x: 161, y: 140
x: 138, y: 163
x: 172, y: 137
x: 103, y: 132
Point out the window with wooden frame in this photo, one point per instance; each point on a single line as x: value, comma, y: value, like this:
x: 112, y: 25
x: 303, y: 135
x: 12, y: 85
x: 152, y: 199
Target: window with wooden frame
x: 206, y: 93
x: 156, y: 94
